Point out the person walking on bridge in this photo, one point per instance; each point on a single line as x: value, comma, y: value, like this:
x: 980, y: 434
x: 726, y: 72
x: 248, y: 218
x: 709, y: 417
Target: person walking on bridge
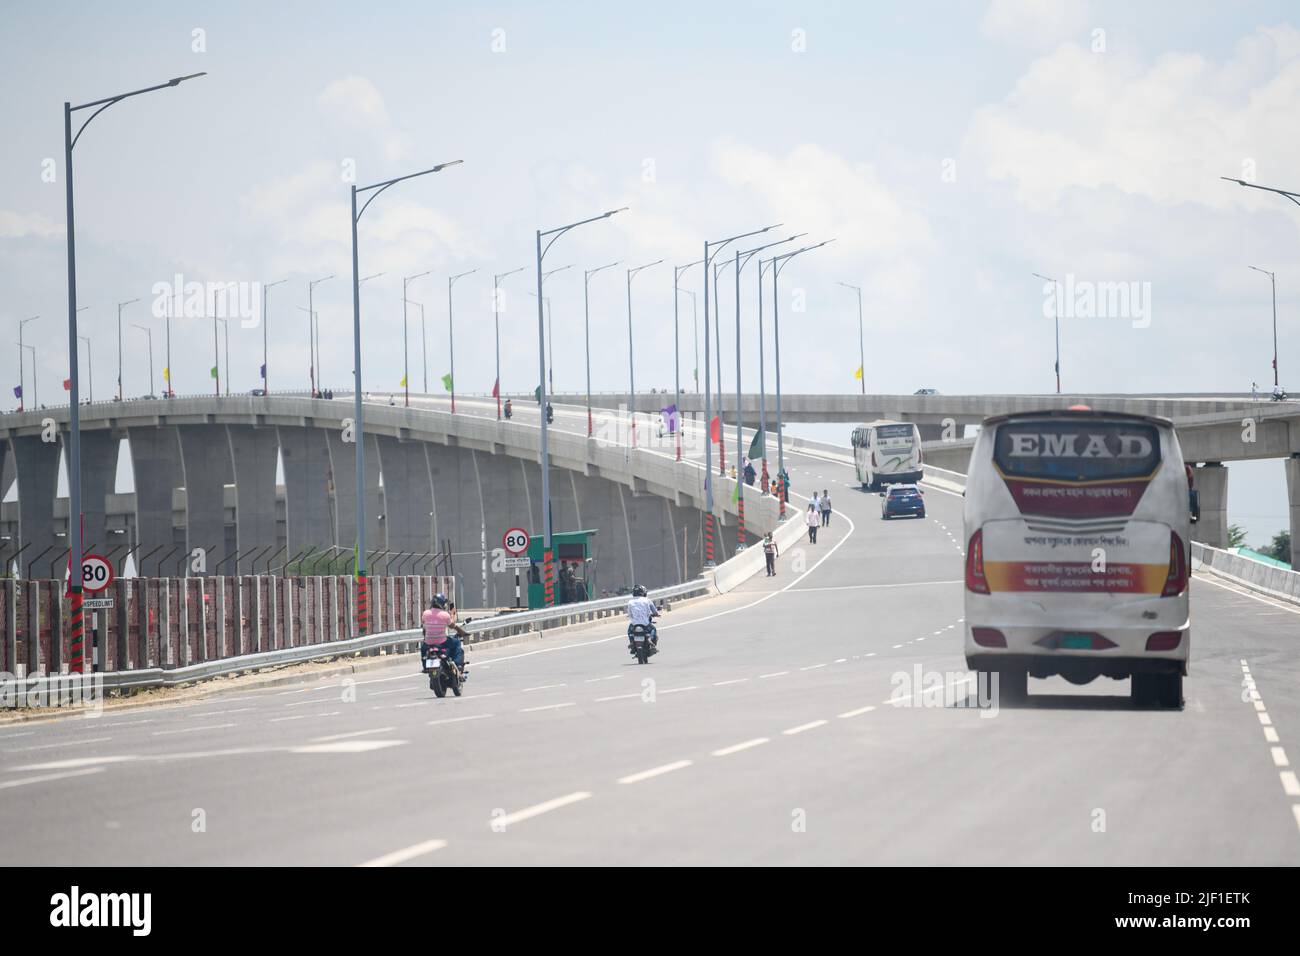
x: 825, y: 504
x: 813, y: 521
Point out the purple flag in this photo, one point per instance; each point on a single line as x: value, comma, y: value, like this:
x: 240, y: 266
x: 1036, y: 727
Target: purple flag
x: 18, y: 391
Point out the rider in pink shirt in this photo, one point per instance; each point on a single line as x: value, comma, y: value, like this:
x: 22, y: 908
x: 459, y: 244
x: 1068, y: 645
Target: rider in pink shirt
x: 438, y: 629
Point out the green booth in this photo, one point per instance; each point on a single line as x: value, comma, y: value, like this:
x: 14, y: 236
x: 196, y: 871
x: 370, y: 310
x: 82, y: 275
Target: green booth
x: 574, y: 575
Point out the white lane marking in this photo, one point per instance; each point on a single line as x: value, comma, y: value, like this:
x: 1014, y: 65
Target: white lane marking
x: 896, y: 647
x: 43, y: 778
x: 410, y: 853
x: 353, y: 733
x: 841, y: 660
x: 737, y: 748
x: 601, y: 700
x: 542, y: 687
x: 128, y: 723
x: 1209, y: 579
x: 1289, y: 783
x: 305, y: 703
x: 1279, y: 757
x: 734, y: 680
x: 856, y: 713
x: 654, y: 772
x: 872, y: 587
x: 529, y: 710
x: 802, y: 727
x: 679, y: 690
x: 384, y: 693
x: 592, y: 680
x: 456, y: 720
x: 346, y: 747
x: 190, y: 730
x: 65, y: 743
x: 27, y: 733
x: 328, y: 713
x: 812, y: 667
x: 1259, y: 705
x: 221, y: 713
x: 1264, y: 719
x: 1270, y: 734
x: 872, y: 654
x: 509, y: 819
x: 773, y: 674
x: 415, y: 703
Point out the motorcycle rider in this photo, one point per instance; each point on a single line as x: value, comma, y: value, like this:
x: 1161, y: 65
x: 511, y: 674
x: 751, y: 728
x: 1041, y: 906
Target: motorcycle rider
x: 641, y: 610
x: 440, y: 629
x: 550, y: 414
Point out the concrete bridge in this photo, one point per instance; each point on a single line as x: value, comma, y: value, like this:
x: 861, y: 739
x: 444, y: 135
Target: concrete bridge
x: 205, y: 471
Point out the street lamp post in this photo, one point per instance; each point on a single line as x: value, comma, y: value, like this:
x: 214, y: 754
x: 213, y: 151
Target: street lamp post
x: 313, y: 333
x: 1056, y: 302
x: 120, y: 306
x: 716, y: 246
x: 149, y: 332
x: 778, y: 263
x: 496, y: 328
x: 22, y: 391
x: 225, y: 334
x: 406, y: 366
x: 1273, y: 279
x: 631, y: 366
x: 35, y: 393
x: 586, y: 331
x: 90, y: 367
x: 168, y: 392
x: 74, y: 424
x: 451, y: 334
x: 550, y: 339
x: 551, y: 235
x: 363, y: 605
x: 862, y: 353
x: 677, y: 377
x: 266, y: 371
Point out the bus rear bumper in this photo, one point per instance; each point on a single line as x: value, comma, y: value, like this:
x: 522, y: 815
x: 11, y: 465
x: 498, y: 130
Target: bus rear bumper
x: 1046, y: 652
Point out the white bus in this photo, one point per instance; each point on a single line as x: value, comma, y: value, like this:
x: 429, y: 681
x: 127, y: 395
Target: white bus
x: 1077, y: 555
x: 887, y: 453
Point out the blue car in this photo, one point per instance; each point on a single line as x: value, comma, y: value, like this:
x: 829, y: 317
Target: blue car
x: 902, y: 500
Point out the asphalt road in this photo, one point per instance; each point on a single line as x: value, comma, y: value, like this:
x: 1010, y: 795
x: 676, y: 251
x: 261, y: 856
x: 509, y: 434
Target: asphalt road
x: 763, y: 733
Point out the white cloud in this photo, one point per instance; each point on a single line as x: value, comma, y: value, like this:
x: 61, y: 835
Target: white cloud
x: 19, y: 225
x: 355, y: 105
x: 1035, y: 23
x: 1164, y: 130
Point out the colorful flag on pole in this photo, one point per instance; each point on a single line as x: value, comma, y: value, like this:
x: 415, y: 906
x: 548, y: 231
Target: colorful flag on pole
x: 496, y: 389
x: 446, y: 382
x: 213, y: 371
x: 858, y: 373
x: 756, y: 447
x: 167, y: 374
x: 402, y: 383
x: 670, y: 418
x: 715, y: 429
x: 67, y: 384
x: 537, y: 394
x: 735, y: 492
x: 263, y: 372
x: 18, y: 391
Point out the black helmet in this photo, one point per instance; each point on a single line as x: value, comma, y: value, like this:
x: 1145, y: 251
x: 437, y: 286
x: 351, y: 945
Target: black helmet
x: 439, y: 601
x: 638, y: 590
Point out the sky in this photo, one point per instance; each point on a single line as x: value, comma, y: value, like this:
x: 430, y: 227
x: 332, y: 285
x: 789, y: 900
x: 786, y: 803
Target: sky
x: 951, y: 150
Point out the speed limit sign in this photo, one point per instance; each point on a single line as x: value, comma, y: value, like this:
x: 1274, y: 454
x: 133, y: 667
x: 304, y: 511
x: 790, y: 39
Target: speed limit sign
x: 515, y: 541
x: 96, y: 573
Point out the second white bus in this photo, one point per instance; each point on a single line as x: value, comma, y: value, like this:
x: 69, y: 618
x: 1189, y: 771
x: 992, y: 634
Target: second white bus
x: 887, y: 453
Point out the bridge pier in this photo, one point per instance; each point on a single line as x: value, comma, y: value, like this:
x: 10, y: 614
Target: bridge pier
x: 207, y: 469
x: 98, y: 478
x: 254, y: 453
x: 306, y: 459
x: 1211, y: 480
x: 343, y: 467
x: 408, y: 495
x: 156, y: 469
x: 458, y: 515
x: 1293, y: 505
x: 36, y: 466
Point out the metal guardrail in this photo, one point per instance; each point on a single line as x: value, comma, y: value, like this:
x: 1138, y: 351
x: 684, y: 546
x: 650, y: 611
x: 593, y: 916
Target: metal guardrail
x: 47, y: 686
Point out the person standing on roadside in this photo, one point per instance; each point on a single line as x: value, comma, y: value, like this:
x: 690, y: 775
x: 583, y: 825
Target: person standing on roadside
x: 770, y: 553
x: 813, y: 521
x: 825, y: 503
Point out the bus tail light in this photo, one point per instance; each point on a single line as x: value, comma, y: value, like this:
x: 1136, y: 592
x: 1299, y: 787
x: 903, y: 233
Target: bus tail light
x: 988, y: 637
x: 975, y: 580
x: 1176, y: 581
x: 1164, y: 640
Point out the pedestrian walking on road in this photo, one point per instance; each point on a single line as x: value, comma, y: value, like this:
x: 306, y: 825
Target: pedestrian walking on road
x: 813, y: 521
x: 826, y: 507
x: 771, y: 553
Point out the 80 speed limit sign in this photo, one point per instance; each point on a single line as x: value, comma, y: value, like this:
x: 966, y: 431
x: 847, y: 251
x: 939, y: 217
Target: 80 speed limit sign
x: 515, y: 541
x: 96, y: 573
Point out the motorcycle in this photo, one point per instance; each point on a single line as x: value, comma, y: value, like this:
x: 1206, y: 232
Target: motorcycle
x: 442, y: 670
x: 1279, y: 395
x: 639, y: 637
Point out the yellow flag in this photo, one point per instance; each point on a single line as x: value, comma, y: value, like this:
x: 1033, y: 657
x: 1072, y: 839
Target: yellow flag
x: 402, y: 383
x: 167, y: 374
x: 858, y: 373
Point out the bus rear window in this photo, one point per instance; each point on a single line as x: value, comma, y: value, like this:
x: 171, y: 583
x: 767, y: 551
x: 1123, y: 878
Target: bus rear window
x: 1077, y: 450
x: 893, y: 431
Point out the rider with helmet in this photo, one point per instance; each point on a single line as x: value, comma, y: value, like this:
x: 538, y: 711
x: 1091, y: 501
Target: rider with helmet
x: 641, y: 610
x: 441, y: 631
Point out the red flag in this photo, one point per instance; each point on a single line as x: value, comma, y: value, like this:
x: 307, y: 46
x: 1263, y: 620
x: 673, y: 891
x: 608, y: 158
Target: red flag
x: 67, y: 384
x: 496, y: 389
x: 715, y: 429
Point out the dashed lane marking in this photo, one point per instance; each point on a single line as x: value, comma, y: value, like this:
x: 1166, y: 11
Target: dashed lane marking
x: 409, y: 853
x: 654, y: 772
